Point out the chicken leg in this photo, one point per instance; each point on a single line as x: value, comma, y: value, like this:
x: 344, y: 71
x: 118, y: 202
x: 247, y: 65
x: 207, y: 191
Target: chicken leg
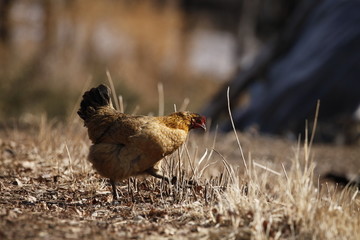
x: 114, y: 190
x: 155, y: 173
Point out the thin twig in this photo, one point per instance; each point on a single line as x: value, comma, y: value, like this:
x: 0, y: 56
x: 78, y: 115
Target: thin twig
x: 315, y: 124
x: 121, y: 104
x: 233, y: 126
x: 184, y: 104
x: 266, y: 168
x: 284, y: 170
x: 161, y: 98
x: 70, y: 160
x: 227, y: 166
x: 116, y: 101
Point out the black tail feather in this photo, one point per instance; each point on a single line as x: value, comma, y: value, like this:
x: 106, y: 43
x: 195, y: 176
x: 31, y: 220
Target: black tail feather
x: 92, y: 100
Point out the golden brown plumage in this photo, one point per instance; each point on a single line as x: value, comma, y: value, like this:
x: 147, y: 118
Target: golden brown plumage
x: 125, y: 145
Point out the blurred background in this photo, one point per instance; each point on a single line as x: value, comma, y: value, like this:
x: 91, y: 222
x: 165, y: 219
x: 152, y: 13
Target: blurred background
x: 51, y: 51
x: 278, y: 57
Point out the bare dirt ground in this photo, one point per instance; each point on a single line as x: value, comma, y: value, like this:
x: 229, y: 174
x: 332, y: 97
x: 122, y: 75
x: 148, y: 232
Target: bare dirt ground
x: 48, y: 190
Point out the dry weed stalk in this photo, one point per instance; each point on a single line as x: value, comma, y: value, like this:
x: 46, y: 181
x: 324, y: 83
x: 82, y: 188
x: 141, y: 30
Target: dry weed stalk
x: 289, y: 205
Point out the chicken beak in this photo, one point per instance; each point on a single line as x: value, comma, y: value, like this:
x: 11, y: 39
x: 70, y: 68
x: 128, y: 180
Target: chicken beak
x: 199, y: 123
x: 203, y: 123
x: 203, y: 126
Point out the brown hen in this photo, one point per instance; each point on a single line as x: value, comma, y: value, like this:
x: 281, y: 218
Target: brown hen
x: 126, y: 145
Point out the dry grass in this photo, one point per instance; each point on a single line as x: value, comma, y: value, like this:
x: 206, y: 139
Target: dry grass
x: 49, y: 191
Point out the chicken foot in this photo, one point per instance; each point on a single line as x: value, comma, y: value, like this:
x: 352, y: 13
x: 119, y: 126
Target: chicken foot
x: 155, y: 173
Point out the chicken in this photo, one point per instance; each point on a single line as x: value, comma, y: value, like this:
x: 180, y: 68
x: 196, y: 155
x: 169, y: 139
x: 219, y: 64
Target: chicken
x: 125, y: 145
